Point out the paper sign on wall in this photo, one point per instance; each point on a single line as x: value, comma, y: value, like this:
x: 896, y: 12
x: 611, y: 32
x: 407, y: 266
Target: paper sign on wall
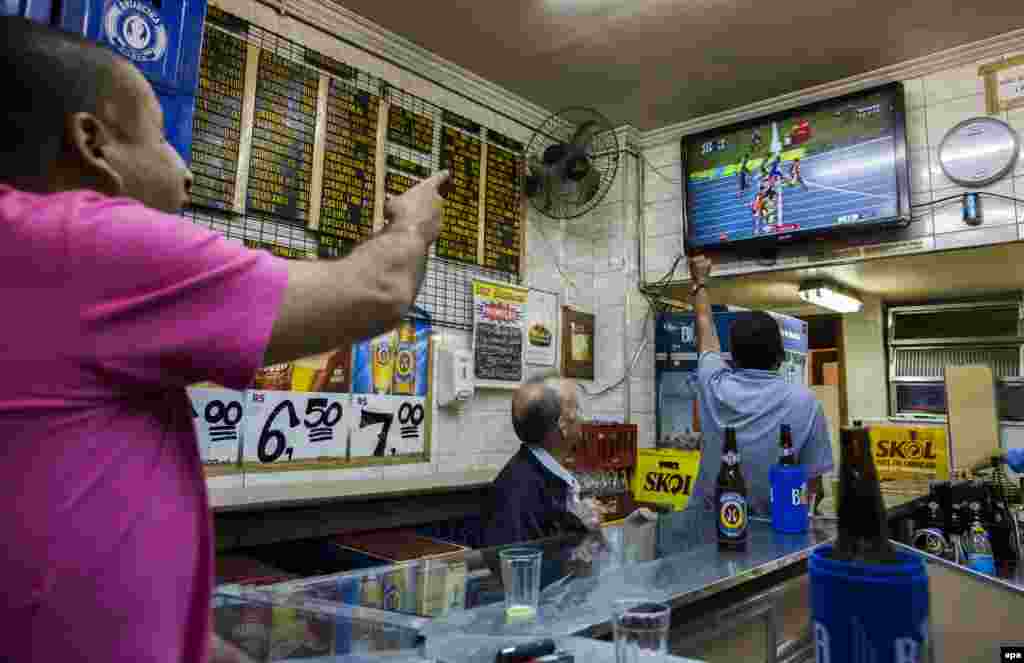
x: 541, y: 328
x: 499, y: 317
x: 217, y: 415
x: 301, y: 428
x: 388, y: 425
x: 1004, y: 84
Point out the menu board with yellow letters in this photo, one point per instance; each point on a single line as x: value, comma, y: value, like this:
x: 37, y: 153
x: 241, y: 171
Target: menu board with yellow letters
x: 460, y: 155
x: 349, y: 175
x: 502, y: 230
x: 275, y: 156
x: 410, y: 130
x: 283, y: 134
x: 217, y: 124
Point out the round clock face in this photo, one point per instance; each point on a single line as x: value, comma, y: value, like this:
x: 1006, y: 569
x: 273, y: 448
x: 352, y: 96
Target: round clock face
x: 979, y: 151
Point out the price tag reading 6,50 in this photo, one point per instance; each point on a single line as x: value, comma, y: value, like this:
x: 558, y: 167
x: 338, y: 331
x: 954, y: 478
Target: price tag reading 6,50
x: 298, y: 425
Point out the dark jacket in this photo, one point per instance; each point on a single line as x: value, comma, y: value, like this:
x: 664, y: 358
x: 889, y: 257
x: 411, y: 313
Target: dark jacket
x: 526, y: 503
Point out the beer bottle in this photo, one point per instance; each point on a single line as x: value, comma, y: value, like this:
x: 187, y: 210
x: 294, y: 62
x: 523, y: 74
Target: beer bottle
x: 786, y: 456
x: 405, y: 360
x: 863, y: 528
x: 731, y: 498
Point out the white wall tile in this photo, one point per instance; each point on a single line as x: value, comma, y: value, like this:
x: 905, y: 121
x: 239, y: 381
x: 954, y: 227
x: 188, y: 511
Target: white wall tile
x: 609, y: 361
x: 913, y: 91
x: 944, y: 116
x: 663, y: 182
x: 664, y: 218
x: 644, y: 430
x: 994, y: 211
x: 660, y: 155
x: 641, y: 395
x: 610, y: 290
x: 611, y: 402
x: 952, y: 84
x: 920, y: 172
x: 980, y: 237
x: 917, y: 130
x: 660, y: 254
x: 1016, y: 120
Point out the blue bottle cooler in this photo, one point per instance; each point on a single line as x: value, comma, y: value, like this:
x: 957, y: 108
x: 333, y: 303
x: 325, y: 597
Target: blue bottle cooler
x: 867, y: 613
x: 789, y: 498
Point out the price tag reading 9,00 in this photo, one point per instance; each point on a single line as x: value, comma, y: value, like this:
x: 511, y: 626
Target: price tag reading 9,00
x: 286, y: 425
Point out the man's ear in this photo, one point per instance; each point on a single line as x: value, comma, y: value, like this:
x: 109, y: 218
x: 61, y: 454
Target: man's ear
x: 89, y: 142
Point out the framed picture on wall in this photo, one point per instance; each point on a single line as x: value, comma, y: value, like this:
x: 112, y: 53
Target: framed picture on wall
x: 577, y: 344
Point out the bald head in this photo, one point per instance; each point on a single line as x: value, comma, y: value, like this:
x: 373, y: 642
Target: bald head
x: 544, y: 410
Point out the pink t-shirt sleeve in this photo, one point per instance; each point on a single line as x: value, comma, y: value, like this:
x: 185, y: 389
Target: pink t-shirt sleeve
x: 164, y: 302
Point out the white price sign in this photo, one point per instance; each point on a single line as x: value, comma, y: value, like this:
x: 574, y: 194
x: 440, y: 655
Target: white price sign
x: 217, y: 415
x: 288, y: 425
x: 388, y: 425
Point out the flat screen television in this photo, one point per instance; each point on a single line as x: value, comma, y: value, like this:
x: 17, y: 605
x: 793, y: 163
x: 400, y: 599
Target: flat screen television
x: 833, y: 166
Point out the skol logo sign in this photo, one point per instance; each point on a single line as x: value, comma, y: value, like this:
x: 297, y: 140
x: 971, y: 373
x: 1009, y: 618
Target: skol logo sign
x: 905, y: 451
x: 665, y: 476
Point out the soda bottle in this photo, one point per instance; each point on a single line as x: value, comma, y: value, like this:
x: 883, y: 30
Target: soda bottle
x: 731, y: 497
x: 863, y: 528
x: 786, y: 456
x: 977, y: 544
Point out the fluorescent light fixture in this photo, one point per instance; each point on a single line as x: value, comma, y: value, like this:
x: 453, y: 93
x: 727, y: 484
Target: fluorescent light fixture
x: 829, y: 296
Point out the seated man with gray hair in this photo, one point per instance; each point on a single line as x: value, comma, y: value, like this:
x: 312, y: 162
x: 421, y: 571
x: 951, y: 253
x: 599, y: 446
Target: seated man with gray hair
x: 535, y: 497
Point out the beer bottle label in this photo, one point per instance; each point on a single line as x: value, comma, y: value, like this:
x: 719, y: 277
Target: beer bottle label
x: 405, y: 369
x: 732, y: 515
x: 731, y: 458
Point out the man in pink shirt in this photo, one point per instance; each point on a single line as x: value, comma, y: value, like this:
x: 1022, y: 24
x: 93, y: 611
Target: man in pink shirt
x: 114, y: 304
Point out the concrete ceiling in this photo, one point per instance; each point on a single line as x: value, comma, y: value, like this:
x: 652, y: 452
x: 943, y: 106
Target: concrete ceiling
x: 651, y: 63
x: 964, y: 273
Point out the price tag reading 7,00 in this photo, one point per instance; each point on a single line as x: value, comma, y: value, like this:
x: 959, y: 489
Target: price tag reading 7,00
x: 380, y: 410
x: 319, y: 419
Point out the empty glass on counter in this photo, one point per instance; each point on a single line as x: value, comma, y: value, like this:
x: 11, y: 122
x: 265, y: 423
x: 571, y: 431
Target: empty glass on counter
x: 520, y: 575
x: 640, y: 628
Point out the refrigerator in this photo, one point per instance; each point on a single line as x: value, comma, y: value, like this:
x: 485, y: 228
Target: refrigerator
x: 675, y: 364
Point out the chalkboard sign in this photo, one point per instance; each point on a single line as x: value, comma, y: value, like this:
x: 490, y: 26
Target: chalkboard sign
x: 502, y: 229
x: 505, y: 142
x: 460, y: 154
x: 498, y: 354
x: 284, y: 127
x: 217, y: 123
x: 499, y: 315
x: 411, y: 130
x: 349, y: 177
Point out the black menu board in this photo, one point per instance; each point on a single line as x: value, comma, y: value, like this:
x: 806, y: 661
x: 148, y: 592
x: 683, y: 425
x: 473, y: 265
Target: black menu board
x: 460, y: 230
x: 217, y: 124
x: 502, y: 230
x: 349, y: 178
x: 498, y: 353
x: 411, y: 130
x: 284, y: 127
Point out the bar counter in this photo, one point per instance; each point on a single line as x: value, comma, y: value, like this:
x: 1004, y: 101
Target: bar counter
x: 685, y: 566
